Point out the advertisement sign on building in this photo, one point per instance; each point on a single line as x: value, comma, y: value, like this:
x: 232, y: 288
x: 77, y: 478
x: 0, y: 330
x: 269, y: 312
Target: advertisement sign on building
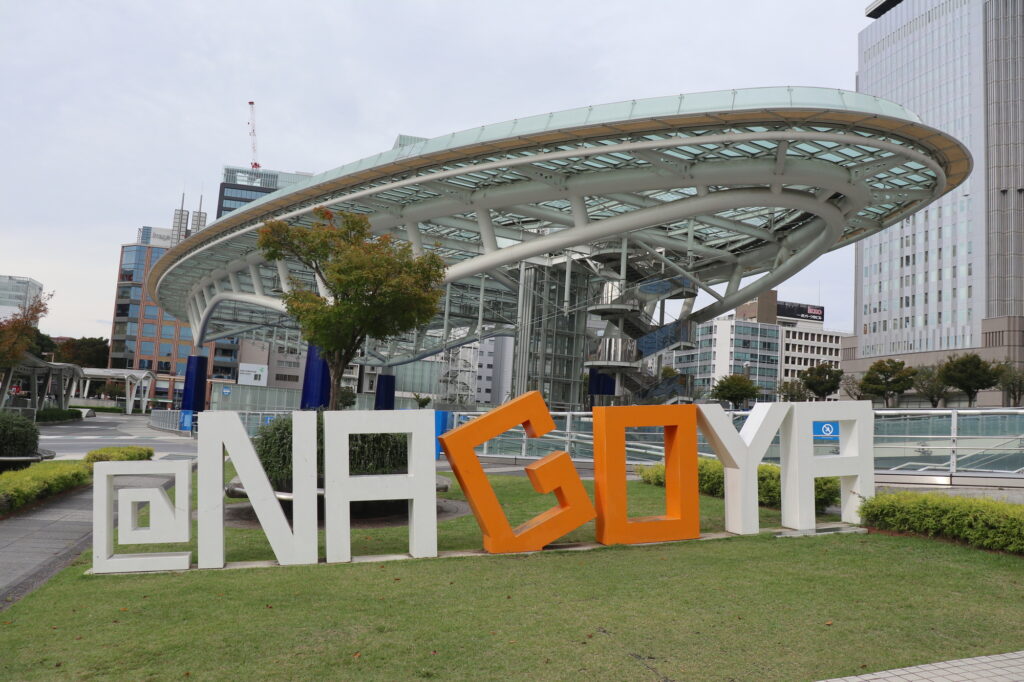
x: 252, y: 375
x: 801, y: 311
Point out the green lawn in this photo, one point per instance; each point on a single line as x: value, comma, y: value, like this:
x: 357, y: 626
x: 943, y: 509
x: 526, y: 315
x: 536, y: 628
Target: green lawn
x: 748, y: 608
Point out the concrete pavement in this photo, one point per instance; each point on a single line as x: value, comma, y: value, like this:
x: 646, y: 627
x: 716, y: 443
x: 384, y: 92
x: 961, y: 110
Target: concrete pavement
x: 36, y: 543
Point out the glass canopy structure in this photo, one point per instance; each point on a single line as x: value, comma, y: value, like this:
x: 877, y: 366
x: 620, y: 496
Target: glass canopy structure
x: 599, y: 212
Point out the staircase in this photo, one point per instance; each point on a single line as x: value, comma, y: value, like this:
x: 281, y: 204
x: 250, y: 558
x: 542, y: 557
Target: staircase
x: 631, y: 333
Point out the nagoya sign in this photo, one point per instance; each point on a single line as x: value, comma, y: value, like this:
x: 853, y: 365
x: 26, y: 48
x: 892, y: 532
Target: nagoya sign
x: 296, y: 542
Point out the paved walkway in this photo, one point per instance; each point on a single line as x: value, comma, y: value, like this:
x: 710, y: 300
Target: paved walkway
x: 36, y: 544
x: 998, y: 668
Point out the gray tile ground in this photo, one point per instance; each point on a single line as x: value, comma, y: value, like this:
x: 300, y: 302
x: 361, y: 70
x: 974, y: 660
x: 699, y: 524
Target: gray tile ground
x: 37, y: 543
x: 999, y: 668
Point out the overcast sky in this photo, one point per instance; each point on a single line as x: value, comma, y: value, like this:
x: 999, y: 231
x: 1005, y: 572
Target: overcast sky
x: 110, y: 110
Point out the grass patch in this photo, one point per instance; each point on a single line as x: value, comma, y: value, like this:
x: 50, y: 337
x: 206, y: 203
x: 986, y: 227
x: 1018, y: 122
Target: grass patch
x: 746, y: 608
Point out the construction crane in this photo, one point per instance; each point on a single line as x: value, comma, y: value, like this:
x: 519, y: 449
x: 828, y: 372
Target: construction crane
x: 252, y: 133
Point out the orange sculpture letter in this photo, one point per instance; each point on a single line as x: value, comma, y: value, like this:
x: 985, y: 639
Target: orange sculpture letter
x: 554, y: 473
x: 682, y: 506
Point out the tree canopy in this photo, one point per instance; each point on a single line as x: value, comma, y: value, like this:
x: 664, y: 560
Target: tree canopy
x: 736, y: 389
x: 970, y: 374
x: 822, y: 380
x: 84, y: 352
x: 18, y: 332
x: 1011, y: 381
x: 850, y: 384
x: 888, y: 379
x: 793, y: 391
x: 374, y: 286
x: 928, y: 383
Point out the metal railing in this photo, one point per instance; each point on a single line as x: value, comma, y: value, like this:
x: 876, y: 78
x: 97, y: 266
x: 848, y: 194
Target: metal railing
x: 945, y: 442
x: 165, y: 420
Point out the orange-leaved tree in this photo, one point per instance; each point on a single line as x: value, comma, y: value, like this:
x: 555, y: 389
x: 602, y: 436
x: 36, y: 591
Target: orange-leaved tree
x: 18, y: 333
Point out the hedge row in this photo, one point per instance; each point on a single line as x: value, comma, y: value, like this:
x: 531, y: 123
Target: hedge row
x: 984, y: 523
x: 120, y: 453
x: 116, y: 410
x: 44, y: 479
x: 55, y: 414
x: 711, y: 481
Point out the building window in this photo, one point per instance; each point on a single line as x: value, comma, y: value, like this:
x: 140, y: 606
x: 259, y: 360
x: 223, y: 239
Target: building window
x: 149, y: 329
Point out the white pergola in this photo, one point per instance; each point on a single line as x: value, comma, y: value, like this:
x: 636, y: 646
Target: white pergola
x: 136, y: 384
x: 45, y: 378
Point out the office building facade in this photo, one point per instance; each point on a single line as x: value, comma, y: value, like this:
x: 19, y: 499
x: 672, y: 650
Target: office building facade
x: 949, y: 278
x: 16, y: 292
x: 242, y: 185
x: 144, y: 336
x: 768, y: 340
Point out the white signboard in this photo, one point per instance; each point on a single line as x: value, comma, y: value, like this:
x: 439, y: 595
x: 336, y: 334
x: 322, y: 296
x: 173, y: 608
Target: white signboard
x: 252, y: 375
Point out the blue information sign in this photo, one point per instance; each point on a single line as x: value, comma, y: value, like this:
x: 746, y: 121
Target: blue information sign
x: 826, y: 430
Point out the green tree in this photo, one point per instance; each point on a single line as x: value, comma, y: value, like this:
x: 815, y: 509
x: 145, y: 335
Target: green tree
x: 375, y: 286
x: 668, y: 372
x: 1011, y: 381
x: 112, y: 389
x: 346, y: 397
x: 735, y: 388
x: 84, y: 352
x: 850, y: 383
x: 42, y: 345
x: 18, y: 334
x: 822, y: 380
x: 421, y: 400
x: 888, y: 379
x: 928, y: 383
x: 970, y: 374
x: 793, y: 391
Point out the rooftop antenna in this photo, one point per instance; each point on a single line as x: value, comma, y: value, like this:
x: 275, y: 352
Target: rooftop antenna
x: 252, y: 133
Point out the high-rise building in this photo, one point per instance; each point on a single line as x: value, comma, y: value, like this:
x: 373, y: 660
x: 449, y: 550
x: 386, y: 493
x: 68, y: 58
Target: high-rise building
x: 16, y: 292
x: 144, y: 336
x: 951, y: 277
x: 242, y: 185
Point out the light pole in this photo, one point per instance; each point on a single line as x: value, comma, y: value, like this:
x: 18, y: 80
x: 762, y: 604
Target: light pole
x: 746, y: 373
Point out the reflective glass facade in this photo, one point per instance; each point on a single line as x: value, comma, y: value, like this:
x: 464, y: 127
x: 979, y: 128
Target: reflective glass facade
x: 928, y: 283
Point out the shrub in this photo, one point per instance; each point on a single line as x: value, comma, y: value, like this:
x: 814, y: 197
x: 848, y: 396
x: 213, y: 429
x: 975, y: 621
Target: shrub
x: 119, y: 453
x: 370, y: 453
x: 711, y: 481
x: 984, y: 523
x: 43, y: 479
x: 19, y: 437
x: 55, y: 414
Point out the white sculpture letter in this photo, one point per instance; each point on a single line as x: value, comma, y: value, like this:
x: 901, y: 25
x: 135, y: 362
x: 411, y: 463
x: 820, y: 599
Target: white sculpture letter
x: 854, y: 465
x: 220, y: 431
x: 740, y: 453
x: 418, y: 485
